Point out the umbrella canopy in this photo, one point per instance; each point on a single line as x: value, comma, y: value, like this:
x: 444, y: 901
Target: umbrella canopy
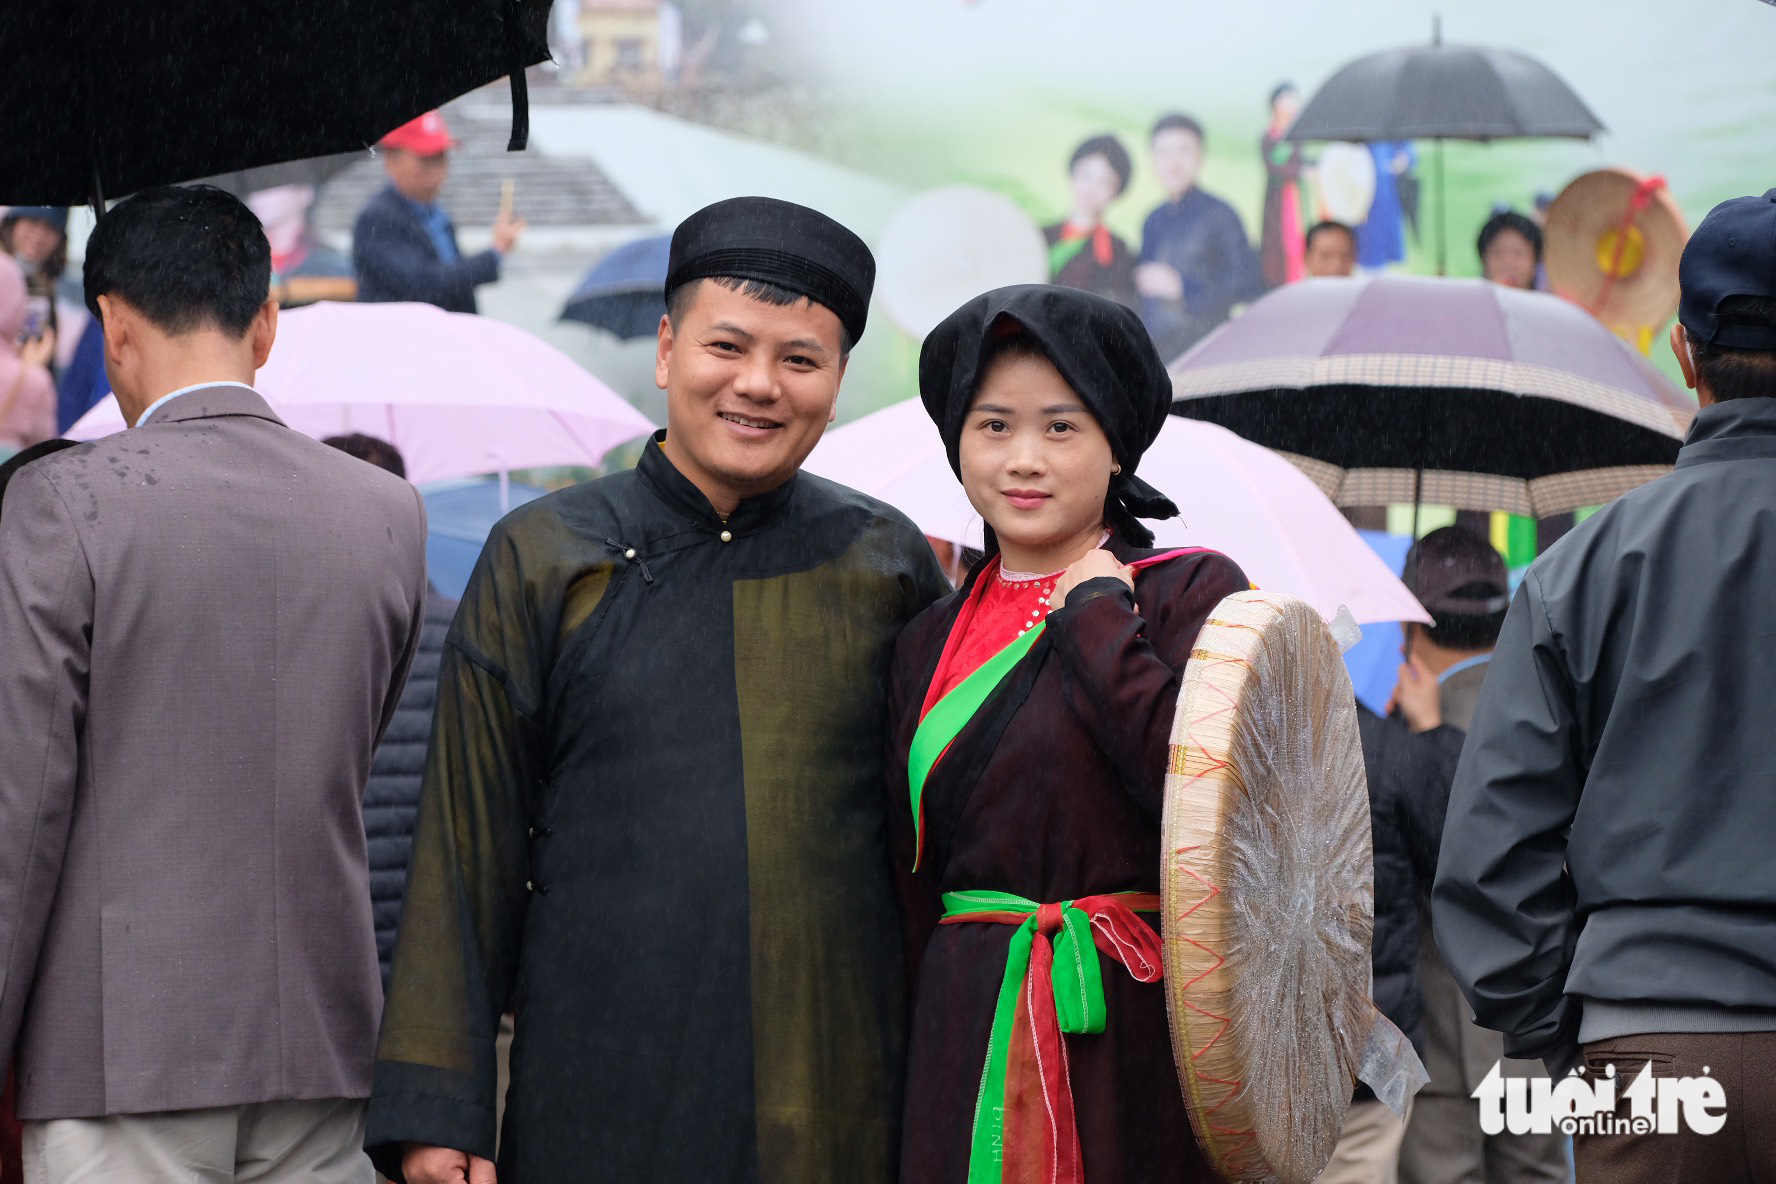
x: 1444, y: 92
x: 1236, y: 498
x: 458, y: 394
x: 315, y: 171
x: 623, y: 294
x: 459, y: 517
x: 1453, y: 392
x: 119, y: 97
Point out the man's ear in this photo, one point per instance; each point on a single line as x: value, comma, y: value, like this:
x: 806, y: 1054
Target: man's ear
x: 663, y: 351
x: 1686, y: 361
x: 264, y: 331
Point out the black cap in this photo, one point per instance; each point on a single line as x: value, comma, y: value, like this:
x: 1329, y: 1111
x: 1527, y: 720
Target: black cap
x: 781, y: 243
x: 1456, y: 573
x: 1733, y: 253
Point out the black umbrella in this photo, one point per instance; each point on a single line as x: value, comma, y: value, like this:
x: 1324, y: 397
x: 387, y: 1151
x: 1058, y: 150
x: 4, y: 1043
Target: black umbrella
x: 1444, y: 92
x: 107, y: 98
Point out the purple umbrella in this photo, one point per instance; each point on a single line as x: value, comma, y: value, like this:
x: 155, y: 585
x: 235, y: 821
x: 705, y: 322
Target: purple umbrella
x: 1452, y: 392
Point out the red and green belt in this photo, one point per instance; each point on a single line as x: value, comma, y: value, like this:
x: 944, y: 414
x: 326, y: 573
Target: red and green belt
x: 1024, y: 1127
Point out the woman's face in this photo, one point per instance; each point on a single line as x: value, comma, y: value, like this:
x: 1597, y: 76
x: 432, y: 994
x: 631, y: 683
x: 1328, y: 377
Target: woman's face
x: 1035, y: 463
x: 34, y: 240
x: 1510, y: 260
x: 1095, y: 185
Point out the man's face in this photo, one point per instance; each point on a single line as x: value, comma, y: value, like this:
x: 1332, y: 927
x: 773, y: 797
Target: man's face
x: 1331, y: 253
x: 34, y: 240
x: 1177, y: 159
x: 1510, y: 260
x: 1095, y: 185
x: 749, y: 386
x: 417, y: 178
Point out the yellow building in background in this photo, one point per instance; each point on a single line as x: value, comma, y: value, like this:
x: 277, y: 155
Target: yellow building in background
x: 622, y: 40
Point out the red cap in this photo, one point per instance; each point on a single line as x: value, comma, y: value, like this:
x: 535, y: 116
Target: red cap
x: 426, y: 136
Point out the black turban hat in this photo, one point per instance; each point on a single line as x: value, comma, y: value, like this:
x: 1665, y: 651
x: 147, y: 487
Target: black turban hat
x: 781, y: 243
x: 1101, y: 349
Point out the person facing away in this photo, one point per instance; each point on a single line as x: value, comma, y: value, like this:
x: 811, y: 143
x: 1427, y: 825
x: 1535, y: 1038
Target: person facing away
x: 27, y: 392
x: 1196, y: 263
x: 652, y: 821
x: 1030, y: 719
x: 1330, y: 250
x: 1461, y: 581
x: 1408, y: 777
x: 1510, y: 250
x: 207, y: 620
x: 1606, y: 892
x: 391, y: 797
x: 404, y: 244
x: 1082, y: 251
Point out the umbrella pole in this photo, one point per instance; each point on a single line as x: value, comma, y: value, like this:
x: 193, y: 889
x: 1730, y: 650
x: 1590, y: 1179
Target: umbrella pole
x: 505, y: 491
x: 1442, y: 216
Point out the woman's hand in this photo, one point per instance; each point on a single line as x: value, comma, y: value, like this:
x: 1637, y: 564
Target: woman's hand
x: 1089, y: 567
x: 39, y: 350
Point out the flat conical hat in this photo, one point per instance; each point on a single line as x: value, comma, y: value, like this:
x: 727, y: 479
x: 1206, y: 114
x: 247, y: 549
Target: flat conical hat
x: 948, y: 245
x: 1586, y: 222
x: 1268, y: 892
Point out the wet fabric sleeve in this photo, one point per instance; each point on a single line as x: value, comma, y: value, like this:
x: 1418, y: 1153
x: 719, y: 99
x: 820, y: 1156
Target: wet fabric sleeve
x: 918, y: 893
x: 46, y: 613
x: 1123, y: 665
x: 1503, y: 902
x: 462, y: 920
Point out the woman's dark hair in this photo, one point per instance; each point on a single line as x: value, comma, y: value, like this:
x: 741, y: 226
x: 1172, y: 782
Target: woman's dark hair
x: 1178, y: 121
x: 185, y: 257
x: 55, y: 265
x: 1510, y: 220
x: 1737, y: 373
x: 1281, y: 89
x: 1114, y: 154
x: 373, y: 449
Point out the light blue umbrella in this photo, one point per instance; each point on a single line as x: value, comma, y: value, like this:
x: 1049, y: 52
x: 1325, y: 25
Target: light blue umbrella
x: 459, y: 517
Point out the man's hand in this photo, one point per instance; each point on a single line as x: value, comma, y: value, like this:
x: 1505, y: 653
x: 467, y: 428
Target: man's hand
x: 1417, y: 696
x: 1089, y: 567
x: 1160, y: 281
x: 39, y: 350
x: 442, y: 1165
x: 506, y: 229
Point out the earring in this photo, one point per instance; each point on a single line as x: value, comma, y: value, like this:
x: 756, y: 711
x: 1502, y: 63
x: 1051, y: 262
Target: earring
x: 1116, y: 470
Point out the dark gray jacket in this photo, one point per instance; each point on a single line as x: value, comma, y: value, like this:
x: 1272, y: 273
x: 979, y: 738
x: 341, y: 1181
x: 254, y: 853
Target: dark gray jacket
x: 1608, y: 839
x: 391, y: 800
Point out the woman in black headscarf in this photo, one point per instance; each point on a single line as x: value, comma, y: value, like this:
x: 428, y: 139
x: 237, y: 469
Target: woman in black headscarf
x: 1031, y: 714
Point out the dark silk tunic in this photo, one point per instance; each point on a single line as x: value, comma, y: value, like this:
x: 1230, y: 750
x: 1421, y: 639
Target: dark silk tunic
x: 1052, y: 792
x: 652, y: 826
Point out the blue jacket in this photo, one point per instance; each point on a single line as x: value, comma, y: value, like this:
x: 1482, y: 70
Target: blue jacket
x: 395, y: 259
x: 391, y: 799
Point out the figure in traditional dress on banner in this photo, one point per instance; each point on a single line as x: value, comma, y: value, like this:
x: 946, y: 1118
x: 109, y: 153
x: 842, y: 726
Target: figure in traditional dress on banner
x: 1082, y: 251
x: 1030, y: 717
x: 652, y: 822
x: 1280, y: 242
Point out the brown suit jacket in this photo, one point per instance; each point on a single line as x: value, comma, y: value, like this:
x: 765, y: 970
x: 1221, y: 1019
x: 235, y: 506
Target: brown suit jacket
x: 205, y: 624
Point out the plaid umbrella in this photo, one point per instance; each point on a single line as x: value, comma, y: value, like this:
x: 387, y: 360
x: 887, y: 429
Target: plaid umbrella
x: 1451, y: 392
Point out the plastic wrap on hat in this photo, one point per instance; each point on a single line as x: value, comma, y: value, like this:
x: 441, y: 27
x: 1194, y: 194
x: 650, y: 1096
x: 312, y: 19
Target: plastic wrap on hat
x: 1268, y: 886
x: 1345, y: 630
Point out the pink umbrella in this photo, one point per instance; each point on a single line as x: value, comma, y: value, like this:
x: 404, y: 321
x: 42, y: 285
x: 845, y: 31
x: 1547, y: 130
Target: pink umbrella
x: 1236, y: 497
x: 457, y: 394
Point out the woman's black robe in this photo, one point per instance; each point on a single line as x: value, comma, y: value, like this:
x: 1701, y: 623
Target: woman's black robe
x: 1052, y: 792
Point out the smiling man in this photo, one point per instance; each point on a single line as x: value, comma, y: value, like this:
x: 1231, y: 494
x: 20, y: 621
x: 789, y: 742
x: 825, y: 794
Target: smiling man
x: 652, y: 822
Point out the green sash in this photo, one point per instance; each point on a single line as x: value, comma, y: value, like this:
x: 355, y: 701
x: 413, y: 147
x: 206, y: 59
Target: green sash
x: 1064, y: 252
x: 949, y: 715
